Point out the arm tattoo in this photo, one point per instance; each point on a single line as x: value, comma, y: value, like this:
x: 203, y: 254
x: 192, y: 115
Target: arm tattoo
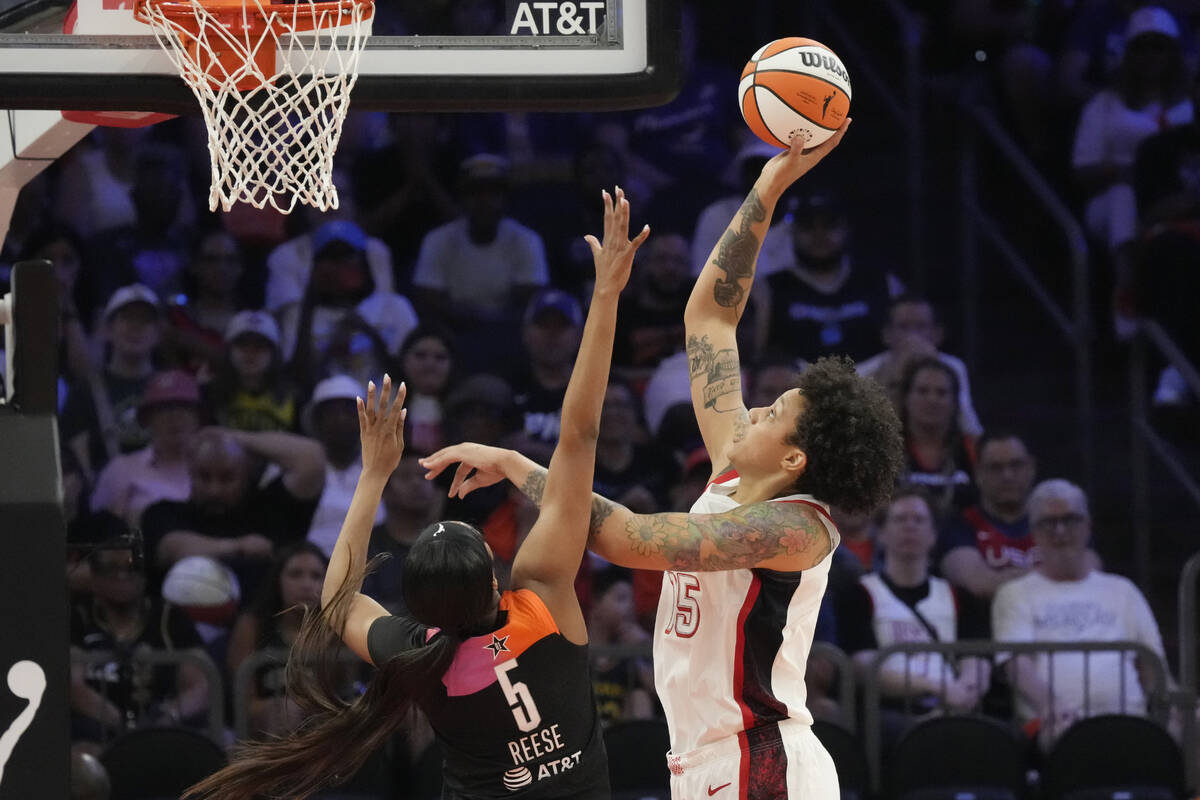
x: 724, y: 375
x: 535, y: 486
x: 737, y: 252
x: 737, y: 539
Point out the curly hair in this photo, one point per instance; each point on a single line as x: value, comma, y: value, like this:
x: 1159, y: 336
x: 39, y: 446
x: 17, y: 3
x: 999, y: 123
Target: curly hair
x: 851, y: 435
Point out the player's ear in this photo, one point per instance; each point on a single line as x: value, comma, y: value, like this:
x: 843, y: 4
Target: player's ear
x: 794, y: 462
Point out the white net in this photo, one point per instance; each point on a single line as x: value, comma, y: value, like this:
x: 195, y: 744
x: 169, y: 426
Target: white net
x: 273, y: 81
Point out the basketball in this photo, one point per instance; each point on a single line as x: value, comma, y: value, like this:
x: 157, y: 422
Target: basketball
x: 794, y: 87
x: 204, y: 588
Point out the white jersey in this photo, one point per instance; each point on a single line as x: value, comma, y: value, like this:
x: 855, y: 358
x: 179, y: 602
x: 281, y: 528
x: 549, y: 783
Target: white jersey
x: 730, y: 648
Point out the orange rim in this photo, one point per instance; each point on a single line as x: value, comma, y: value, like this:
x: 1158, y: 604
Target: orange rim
x: 299, y: 16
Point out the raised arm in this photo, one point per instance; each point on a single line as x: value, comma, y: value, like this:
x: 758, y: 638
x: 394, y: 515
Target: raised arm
x: 781, y: 536
x: 549, y: 557
x: 301, y: 459
x: 381, y: 428
x: 720, y: 295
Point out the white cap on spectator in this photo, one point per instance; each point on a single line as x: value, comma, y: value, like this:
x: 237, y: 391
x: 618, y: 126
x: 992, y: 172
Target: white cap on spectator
x: 338, y: 387
x: 1151, y: 19
x: 257, y: 322
x: 128, y: 295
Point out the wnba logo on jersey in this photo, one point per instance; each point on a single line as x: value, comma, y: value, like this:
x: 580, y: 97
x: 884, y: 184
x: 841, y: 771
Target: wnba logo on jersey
x: 517, y: 778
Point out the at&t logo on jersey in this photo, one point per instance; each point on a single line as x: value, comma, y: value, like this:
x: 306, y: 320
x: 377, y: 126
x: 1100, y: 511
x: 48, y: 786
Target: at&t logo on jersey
x: 517, y: 778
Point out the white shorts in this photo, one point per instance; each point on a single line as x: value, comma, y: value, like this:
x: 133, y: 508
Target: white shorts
x: 771, y: 762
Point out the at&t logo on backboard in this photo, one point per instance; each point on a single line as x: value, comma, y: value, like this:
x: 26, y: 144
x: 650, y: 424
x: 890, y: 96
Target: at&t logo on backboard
x: 555, y: 17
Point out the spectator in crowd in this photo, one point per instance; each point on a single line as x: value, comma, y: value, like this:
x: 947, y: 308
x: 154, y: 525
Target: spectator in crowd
x: 62, y: 248
x: 989, y: 543
x: 1090, y: 56
x: 650, y: 323
x: 1150, y: 95
x: 939, y: 456
x: 99, y: 419
x: 272, y: 621
x: 481, y: 409
x: 478, y: 267
x: 627, y: 468
x: 902, y: 603
x: 1063, y: 599
x: 251, y: 390
x: 197, y: 318
x: 771, y: 377
x: 667, y: 403
x: 820, y: 301
x: 411, y: 503
x: 624, y: 685
x: 332, y: 419
x: 229, y: 515
x: 1167, y: 181
x: 714, y: 219
x: 154, y: 249
x: 290, y: 265
x: 860, y: 541
x: 558, y: 215
x: 426, y: 361
x: 170, y: 410
x: 550, y: 334
x: 913, y: 331
x: 119, y: 617
x: 345, y: 318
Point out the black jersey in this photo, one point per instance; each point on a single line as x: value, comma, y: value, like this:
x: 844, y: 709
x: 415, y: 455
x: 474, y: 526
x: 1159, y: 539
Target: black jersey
x: 514, y: 713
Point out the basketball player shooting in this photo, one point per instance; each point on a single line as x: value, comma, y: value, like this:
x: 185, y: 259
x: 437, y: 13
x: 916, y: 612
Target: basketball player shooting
x: 745, y: 570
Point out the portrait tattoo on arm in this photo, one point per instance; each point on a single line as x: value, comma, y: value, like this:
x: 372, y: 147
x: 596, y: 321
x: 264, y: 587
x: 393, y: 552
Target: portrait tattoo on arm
x: 737, y: 252
x: 722, y: 390
x: 738, y: 539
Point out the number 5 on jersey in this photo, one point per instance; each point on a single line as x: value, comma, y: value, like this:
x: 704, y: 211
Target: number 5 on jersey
x: 686, y: 620
x: 520, y: 701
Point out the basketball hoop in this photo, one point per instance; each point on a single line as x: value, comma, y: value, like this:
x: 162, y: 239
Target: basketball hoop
x: 273, y: 80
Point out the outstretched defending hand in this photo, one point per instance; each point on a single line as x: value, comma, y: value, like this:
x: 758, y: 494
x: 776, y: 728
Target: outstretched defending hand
x: 381, y: 428
x: 614, y: 258
x: 485, y: 461
x: 786, y: 168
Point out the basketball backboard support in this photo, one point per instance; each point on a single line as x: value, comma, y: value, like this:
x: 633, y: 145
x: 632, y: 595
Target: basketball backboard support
x: 567, y: 55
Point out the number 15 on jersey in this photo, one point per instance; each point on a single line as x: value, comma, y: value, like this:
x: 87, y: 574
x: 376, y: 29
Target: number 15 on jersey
x: 686, y: 620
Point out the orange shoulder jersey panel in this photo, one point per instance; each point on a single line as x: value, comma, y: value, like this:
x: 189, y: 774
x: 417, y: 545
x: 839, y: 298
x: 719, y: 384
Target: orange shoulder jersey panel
x: 528, y: 621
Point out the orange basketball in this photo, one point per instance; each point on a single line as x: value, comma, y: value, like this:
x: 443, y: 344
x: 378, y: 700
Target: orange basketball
x: 794, y: 87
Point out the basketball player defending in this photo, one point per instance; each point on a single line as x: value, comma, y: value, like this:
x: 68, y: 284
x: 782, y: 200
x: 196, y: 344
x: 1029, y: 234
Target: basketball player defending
x: 745, y: 570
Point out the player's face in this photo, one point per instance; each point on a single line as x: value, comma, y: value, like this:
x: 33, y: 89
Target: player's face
x: 763, y: 446
x: 1005, y: 472
x: 908, y: 530
x: 930, y: 400
x: 301, y: 579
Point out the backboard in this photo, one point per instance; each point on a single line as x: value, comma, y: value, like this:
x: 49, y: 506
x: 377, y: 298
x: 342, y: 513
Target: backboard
x: 535, y: 55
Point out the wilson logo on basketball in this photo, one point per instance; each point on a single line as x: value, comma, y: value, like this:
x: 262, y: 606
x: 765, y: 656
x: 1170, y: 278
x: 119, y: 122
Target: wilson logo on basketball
x: 517, y: 778
x: 830, y: 63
